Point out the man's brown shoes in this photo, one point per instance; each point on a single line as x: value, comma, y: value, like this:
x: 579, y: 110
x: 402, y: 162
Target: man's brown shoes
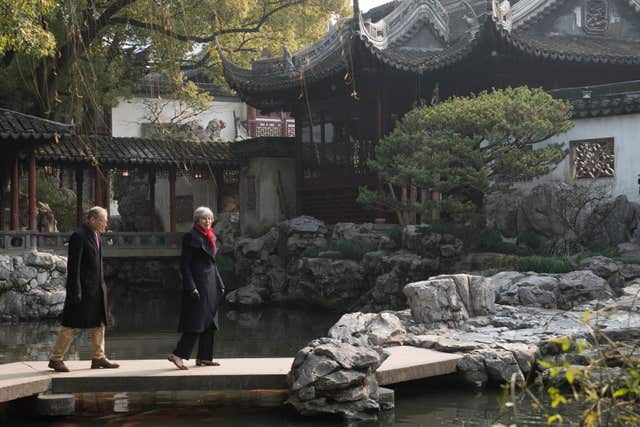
x: 58, y: 366
x: 103, y: 363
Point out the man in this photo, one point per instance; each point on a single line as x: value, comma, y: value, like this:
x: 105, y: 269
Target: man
x: 85, y: 306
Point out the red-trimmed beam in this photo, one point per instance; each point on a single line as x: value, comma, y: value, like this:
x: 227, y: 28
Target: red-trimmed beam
x: 33, y: 208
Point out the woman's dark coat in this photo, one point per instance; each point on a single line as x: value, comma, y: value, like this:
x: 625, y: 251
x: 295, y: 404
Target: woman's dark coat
x: 198, y: 267
x: 86, y: 301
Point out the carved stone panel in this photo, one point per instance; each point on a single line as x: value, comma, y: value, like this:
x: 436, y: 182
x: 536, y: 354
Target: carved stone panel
x: 593, y: 158
x: 596, y: 16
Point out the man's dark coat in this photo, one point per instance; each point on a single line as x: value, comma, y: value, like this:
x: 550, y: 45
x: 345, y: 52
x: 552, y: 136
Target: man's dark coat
x: 199, y: 271
x: 85, y: 282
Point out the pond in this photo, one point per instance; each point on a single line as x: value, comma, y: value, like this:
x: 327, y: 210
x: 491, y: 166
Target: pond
x: 144, y: 328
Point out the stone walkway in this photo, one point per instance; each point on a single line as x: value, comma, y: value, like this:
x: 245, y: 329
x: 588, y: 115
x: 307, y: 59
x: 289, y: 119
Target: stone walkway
x: 23, y: 379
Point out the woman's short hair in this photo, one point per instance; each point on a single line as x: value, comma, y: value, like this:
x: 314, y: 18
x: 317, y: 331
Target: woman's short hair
x: 200, y: 212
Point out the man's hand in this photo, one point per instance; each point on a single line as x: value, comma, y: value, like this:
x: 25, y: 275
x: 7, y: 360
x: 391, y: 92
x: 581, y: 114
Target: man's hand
x: 195, y: 295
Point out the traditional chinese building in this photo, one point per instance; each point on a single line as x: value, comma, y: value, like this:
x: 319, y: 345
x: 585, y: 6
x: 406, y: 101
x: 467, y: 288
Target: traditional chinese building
x: 347, y: 90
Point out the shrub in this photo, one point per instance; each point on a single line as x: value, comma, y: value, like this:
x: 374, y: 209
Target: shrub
x: 605, y: 396
x: 538, y: 264
x: 312, y: 251
x: 395, y: 234
x: 61, y: 201
x: 562, y: 248
x: 350, y: 249
x: 531, y: 240
x: 490, y: 240
x: 541, y: 264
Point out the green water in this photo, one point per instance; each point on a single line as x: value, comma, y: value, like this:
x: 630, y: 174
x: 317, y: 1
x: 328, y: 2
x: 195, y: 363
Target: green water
x: 144, y: 328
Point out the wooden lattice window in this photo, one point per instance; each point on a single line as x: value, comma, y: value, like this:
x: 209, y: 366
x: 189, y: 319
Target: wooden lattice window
x: 593, y: 158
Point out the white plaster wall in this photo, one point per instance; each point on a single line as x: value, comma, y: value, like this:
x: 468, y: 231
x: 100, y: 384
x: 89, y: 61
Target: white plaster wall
x: 129, y: 114
x: 268, y: 211
x: 625, y: 131
x: 127, y: 118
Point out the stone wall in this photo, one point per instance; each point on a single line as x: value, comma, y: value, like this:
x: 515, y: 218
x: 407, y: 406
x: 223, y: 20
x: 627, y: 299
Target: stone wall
x: 32, y: 286
x: 345, y: 266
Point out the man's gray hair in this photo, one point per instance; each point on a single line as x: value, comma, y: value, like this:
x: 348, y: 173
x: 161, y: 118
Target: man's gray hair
x: 95, y: 212
x: 200, y: 212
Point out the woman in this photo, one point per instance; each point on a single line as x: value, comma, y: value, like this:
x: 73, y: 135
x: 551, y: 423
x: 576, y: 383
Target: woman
x: 202, y: 292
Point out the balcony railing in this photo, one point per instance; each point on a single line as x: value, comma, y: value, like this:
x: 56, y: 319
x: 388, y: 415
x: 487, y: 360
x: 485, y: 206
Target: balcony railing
x: 114, y: 245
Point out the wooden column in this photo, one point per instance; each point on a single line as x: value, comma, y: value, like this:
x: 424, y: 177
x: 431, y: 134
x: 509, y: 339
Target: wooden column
x: 152, y: 199
x: 15, y: 194
x: 218, y: 174
x: 97, y: 190
x: 79, y: 183
x: 33, y: 208
x: 283, y: 124
x: 107, y: 191
x: 251, y: 122
x: 172, y: 200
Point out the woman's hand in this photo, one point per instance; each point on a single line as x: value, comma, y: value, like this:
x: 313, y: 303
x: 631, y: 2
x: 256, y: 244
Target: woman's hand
x: 195, y: 295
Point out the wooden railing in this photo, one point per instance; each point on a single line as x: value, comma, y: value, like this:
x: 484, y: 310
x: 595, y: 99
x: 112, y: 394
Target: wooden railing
x: 115, y: 245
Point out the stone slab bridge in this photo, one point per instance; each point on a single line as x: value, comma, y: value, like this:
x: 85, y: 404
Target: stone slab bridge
x: 22, y: 379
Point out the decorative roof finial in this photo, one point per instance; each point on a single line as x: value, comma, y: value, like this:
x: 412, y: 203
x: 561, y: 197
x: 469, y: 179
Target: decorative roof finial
x: 288, y: 57
x: 502, y: 13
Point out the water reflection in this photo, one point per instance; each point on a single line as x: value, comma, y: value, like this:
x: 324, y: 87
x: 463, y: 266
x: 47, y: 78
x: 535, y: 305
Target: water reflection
x: 144, y: 327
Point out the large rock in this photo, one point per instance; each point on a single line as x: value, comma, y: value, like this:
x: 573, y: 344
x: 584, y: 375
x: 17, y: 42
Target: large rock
x: 227, y: 228
x: 326, y: 282
x: 614, y: 222
x: 390, y: 273
x: 601, y: 266
x: 549, y: 290
x: 421, y: 240
x: 370, y: 329
x: 332, y: 377
x: 450, y: 300
x: 365, y: 233
x: 501, y: 211
x: 538, y: 211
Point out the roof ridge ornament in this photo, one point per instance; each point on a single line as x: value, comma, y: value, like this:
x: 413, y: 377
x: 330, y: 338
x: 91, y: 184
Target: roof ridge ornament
x: 502, y: 13
x: 403, y: 21
x: 526, y: 12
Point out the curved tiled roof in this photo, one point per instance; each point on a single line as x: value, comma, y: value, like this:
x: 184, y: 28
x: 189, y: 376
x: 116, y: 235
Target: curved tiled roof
x: 19, y: 126
x: 114, y: 151
x: 389, y: 38
x: 315, y: 62
x: 602, y: 100
x: 526, y: 12
x: 575, y: 49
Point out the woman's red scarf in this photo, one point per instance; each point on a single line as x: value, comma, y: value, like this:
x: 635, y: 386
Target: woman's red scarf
x: 208, y: 233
